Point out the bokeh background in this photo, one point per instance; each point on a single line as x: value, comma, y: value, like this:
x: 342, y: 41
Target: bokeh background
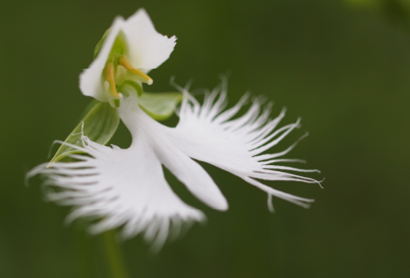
x: 343, y: 66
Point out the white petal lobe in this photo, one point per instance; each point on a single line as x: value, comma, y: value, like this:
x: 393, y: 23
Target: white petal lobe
x: 120, y: 187
x: 148, y: 48
x: 209, y: 134
x: 189, y: 172
x: 193, y: 176
x: 91, y: 83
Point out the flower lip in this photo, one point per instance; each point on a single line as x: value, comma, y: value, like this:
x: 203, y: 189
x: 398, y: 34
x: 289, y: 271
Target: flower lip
x: 127, y: 187
x: 142, y: 47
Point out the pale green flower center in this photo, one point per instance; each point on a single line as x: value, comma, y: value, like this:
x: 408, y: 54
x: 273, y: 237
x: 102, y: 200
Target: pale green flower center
x: 119, y: 75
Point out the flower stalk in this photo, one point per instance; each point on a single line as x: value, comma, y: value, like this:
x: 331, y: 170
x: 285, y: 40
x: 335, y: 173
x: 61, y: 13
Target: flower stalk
x: 113, y: 255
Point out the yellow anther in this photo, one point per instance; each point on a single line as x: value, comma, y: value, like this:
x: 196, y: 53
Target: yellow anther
x: 109, y: 74
x: 127, y: 65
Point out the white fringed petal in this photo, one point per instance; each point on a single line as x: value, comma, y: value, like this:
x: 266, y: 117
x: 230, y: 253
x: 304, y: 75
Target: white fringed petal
x: 120, y: 187
x: 126, y: 187
x: 147, y: 49
x: 208, y: 133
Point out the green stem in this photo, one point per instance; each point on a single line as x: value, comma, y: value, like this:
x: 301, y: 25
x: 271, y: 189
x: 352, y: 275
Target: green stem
x: 114, y: 256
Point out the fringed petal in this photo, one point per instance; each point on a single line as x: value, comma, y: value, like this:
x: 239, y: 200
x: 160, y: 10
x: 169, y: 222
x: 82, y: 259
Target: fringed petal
x: 119, y: 187
x: 211, y: 134
x: 126, y: 187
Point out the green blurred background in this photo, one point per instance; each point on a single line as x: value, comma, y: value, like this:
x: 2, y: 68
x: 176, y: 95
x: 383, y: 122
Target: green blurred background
x: 343, y: 66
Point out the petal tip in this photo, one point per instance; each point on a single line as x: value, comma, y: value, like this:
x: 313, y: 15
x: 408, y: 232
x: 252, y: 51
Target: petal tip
x: 220, y: 204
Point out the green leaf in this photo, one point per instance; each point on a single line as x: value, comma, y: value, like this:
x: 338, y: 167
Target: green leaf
x: 99, y: 124
x: 160, y: 106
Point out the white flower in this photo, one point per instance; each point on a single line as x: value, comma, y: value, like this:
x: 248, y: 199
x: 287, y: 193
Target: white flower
x: 126, y: 187
x: 130, y: 49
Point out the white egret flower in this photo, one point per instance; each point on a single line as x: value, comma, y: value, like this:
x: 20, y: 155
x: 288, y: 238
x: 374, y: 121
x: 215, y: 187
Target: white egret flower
x: 127, y: 187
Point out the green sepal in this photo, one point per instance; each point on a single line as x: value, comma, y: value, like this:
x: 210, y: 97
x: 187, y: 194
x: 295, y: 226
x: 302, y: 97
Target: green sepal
x: 118, y: 48
x: 99, y: 125
x: 160, y: 106
x: 100, y: 43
